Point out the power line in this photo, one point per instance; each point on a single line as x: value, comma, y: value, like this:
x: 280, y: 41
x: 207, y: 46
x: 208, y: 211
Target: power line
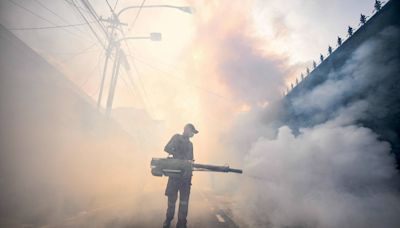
x: 71, y: 53
x: 165, y: 63
x: 109, y: 6
x: 72, y: 4
x: 170, y: 75
x: 109, y: 38
x: 115, y: 5
x: 51, y: 11
x: 50, y: 27
x: 43, y: 18
x: 30, y: 11
x: 145, y: 96
x: 98, y: 88
x: 54, y: 13
x: 83, y: 51
x: 77, y: 11
x: 146, y: 100
x: 91, y: 28
x: 133, y: 88
x: 92, y: 72
x: 132, y: 91
x: 94, y: 15
x: 137, y: 15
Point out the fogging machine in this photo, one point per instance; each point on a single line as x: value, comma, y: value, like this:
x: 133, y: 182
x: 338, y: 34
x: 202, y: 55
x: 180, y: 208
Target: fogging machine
x: 172, y: 167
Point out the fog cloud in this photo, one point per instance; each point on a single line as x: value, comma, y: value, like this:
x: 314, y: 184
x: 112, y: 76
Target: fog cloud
x: 333, y: 171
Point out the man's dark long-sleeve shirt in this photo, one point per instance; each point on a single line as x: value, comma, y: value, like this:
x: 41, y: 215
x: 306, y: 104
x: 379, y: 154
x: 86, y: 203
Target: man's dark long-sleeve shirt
x: 180, y: 147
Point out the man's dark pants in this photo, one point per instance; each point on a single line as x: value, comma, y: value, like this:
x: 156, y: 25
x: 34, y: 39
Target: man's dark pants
x: 174, y: 185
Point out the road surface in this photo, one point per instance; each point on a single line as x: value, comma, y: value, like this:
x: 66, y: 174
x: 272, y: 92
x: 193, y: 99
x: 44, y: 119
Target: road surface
x: 206, y: 209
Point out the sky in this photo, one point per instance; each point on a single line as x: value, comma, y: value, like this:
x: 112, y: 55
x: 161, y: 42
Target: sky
x: 293, y: 33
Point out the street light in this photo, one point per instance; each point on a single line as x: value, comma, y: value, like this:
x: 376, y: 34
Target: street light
x: 154, y: 36
x: 114, y: 21
x: 185, y: 9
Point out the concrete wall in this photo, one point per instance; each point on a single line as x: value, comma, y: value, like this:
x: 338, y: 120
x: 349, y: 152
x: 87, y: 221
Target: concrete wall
x: 384, y: 111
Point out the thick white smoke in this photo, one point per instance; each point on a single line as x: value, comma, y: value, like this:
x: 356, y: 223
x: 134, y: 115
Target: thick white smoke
x: 333, y: 174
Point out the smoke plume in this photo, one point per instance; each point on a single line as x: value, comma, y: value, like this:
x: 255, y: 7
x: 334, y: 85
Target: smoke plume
x: 333, y: 171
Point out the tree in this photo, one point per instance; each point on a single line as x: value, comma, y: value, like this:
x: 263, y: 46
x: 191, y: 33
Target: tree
x: 339, y: 41
x: 378, y: 5
x: 363, y: 19
x: 350, y: 31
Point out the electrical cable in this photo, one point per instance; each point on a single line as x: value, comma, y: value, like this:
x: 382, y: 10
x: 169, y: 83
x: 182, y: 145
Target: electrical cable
x: 91, y: 28
x: 30, y: 11
x: 72, y: 4
x: 137, y: 15
x: 74, y: 11
x: 115, y: 5
x: 146, y: 101
x: 83, y: 51
x: 49, y: 27
x: 51, y: 11
x: 145, y: 96
x: 167, y: 74
x: 95, y: 16
x: 39, y: 16
x: 165, y: 63
x: 91, y: 72
x: 133, y: 92
x: 56, y: 14
x: 109, y: 6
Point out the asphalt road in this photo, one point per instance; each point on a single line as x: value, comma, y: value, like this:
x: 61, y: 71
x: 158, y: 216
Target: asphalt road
x: 205, y: 210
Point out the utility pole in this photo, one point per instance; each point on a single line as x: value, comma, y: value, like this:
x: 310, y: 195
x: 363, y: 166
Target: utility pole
x: 114, y: 22
x: 114, y: 78
x: 114, y: 44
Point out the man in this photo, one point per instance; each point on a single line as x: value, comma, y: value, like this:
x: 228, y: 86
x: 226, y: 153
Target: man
x: 179, y: 147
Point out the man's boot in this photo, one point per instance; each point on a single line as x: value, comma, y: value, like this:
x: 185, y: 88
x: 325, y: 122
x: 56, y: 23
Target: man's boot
x: 167, y: 223
x: 181, y: 224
